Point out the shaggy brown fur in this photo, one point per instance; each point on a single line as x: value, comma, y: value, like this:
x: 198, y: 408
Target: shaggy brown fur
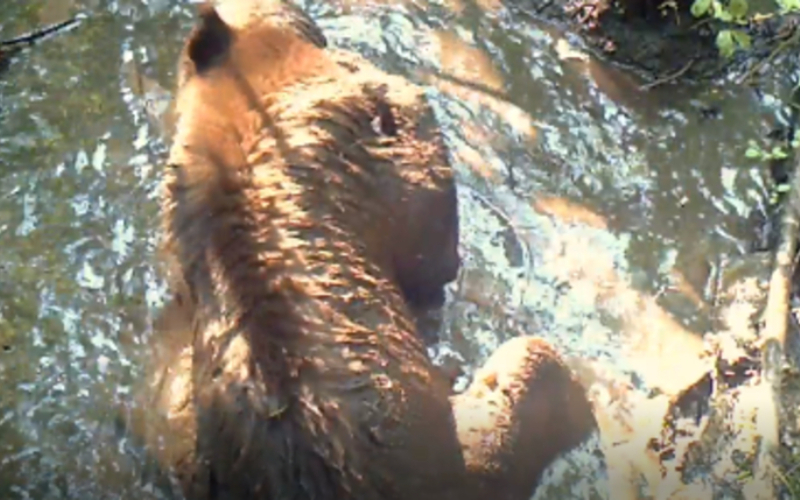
x: 308, y: 201
x: 523, y: 408
x: 268, y: 79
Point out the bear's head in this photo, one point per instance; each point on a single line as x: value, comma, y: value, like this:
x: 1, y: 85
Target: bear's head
x: 258, y: 93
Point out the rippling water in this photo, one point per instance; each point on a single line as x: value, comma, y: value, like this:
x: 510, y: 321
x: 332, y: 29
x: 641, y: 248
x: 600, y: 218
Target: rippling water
x: 593, y: 213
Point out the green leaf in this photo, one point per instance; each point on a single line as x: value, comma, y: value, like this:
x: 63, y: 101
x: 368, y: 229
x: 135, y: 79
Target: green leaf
x: 738, y: 8
x: 783, y: 188
x: 742, y: 39
x: 789, y: 5
x: 725, y: 43
x: 720, y: 12
x: 701, y: 7
x: 752, y: 152
x: 778, y: 153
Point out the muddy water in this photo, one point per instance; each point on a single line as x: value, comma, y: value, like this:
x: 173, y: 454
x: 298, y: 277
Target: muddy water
x: 594, y: 214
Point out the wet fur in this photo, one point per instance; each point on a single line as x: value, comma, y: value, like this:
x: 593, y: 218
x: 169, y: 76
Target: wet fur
x: 308, y: 206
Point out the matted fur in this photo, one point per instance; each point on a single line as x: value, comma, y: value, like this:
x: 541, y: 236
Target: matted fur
x: 307, y: 203
x: 295, y: 190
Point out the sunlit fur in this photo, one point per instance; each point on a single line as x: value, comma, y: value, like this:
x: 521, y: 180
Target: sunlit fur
x: 308, y: 201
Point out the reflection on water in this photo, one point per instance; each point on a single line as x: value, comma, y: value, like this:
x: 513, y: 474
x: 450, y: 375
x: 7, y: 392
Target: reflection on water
x: 586, y: 204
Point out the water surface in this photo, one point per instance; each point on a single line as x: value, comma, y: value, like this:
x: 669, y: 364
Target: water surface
x: 593, y: 213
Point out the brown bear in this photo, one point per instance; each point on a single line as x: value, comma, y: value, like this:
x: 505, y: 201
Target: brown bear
x: 308, y: 206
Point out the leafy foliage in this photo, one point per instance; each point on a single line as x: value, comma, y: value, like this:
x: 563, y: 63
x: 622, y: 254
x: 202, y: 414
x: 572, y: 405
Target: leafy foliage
x: 787, y: 6
x: 755, y: 152
x: 735, y: 13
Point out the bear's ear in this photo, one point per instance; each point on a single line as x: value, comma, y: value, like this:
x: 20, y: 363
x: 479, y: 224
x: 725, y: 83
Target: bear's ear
x: 210, y: 41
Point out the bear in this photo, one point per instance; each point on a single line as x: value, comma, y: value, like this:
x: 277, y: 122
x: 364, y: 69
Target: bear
x: 308, y: 210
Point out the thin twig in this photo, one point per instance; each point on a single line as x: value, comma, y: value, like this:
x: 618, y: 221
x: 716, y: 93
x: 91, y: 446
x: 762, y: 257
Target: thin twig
x: 699, y: 24
x: 545, y: 5
x: 780, y: 48
x: 669, y: 78
x: 33, y: 37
